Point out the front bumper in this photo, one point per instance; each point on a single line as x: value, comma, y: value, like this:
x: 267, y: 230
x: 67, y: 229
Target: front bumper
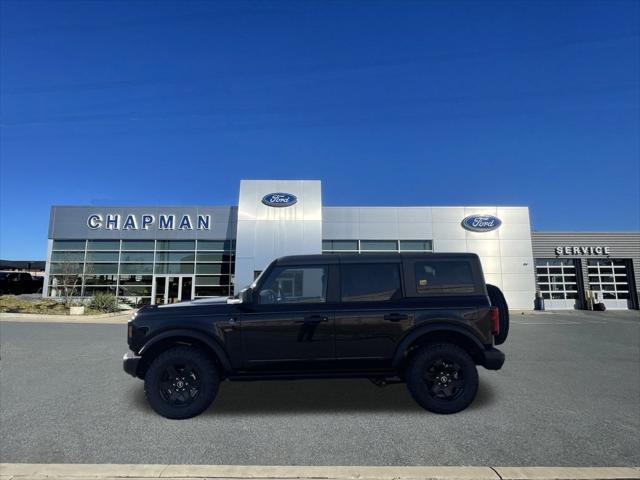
x: 130, y: 362
x: 493, y: 359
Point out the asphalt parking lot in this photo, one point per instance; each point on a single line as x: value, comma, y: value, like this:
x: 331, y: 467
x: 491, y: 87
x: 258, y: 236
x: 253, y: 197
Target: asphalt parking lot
x: 569, y: 394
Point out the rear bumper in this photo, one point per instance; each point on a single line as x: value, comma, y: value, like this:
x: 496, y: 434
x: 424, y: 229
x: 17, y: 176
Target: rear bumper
x: 493, y: 359
x: 130, y: 362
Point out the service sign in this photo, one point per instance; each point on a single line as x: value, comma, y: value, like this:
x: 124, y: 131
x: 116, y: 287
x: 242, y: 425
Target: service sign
x: 279, y: 199
x: 481, y: 223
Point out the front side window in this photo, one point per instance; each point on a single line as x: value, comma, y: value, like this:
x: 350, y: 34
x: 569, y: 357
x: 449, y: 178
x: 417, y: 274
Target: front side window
x: 370, y: 283
x: 434, y: 277
x: 290, y: 285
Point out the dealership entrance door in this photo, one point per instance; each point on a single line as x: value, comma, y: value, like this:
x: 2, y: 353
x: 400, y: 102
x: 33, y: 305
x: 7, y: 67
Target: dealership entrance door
x: 172, y: 289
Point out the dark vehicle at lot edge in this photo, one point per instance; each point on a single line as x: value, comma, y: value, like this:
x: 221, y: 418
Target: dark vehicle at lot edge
x: 424, y: 319
x: 17, y: 283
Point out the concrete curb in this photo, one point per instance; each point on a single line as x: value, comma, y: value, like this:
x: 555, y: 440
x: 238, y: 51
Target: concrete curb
x: 24, y: 471
x: 110, y: 318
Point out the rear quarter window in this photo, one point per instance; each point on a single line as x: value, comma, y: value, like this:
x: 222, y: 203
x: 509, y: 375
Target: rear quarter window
x: 444, y: 277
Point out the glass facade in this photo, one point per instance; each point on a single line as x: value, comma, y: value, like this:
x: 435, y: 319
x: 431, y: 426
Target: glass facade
x: 129, y: 268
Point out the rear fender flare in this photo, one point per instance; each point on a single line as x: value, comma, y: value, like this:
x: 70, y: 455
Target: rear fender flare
x: 430, y: 328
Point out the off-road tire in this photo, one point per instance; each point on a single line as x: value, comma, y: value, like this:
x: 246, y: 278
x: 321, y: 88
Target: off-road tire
x: 158, y: 381
x: 421, y: 389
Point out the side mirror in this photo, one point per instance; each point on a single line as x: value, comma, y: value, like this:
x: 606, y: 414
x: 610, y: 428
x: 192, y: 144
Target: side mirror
x: 246, y: 295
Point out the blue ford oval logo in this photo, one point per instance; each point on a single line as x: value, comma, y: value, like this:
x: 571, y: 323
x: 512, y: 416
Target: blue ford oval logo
x: 481, y: 223
x: 279, y: 199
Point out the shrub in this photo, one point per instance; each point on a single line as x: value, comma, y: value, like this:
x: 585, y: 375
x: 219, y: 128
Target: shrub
x: 104, y: 302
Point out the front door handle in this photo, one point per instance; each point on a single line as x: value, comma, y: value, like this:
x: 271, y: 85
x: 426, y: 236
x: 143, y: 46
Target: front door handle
x: 396, y: 317
x: 314, y: 319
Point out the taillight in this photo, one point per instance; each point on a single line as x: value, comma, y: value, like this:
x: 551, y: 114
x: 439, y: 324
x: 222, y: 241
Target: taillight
x: 495, y: 320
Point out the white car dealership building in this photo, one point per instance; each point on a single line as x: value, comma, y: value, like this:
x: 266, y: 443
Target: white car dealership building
x: 167, y: 254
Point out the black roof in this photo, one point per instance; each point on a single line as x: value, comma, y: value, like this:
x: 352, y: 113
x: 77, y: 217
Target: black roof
x: 335, y: 258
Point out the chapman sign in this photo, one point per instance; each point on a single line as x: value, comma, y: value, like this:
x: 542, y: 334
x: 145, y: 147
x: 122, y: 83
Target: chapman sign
x: 575, y: 250
x: 144, y: 222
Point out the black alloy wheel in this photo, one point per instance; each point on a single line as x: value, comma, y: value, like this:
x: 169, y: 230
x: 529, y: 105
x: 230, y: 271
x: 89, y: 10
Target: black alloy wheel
x: 442, y: 378
x: 181, y: 382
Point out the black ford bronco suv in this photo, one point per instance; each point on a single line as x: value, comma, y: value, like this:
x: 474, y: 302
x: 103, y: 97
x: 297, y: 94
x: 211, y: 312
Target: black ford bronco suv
x: 423, y: 319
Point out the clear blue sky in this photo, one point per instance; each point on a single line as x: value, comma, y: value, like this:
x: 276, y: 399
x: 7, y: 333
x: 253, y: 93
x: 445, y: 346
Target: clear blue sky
x: 388, y: 103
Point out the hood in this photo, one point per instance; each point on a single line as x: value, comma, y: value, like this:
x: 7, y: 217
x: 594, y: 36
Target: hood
x: 201, y: 301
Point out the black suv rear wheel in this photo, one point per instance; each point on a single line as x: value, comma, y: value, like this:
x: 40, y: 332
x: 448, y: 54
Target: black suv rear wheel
x: 442, y: 378
x: 181, y: 382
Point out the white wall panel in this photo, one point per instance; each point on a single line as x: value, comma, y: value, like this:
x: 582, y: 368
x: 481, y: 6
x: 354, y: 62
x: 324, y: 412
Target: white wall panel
x: 378, y: 214
x: 514, y: 231
x: 414, y: 214
x: 447, y: 214
x: 516, y: 281
x: 484, y: 248
x: 379, y: 231
x: 516, y: 248
x: 341, y: 230
x: 448, y: 231
x: 521, y: 265
x: 415, y: 231
x: 519, y: 300
x: 449, y: 245
x: 491, y: 264
x: 341, y: 214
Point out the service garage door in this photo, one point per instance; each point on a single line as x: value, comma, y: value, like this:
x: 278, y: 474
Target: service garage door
x: 558, y: 283
x: 610, y: 280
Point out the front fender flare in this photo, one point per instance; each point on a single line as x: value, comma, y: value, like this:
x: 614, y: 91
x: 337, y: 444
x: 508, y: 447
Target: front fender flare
x: 208, y: 340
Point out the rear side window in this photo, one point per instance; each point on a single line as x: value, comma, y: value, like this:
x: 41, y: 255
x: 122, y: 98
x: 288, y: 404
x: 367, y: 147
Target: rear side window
x: 437, y: 277
x: 370, y: 282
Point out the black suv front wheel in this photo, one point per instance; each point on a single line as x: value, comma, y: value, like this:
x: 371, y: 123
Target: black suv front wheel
x: 181, y: 382
x: 442, y: 378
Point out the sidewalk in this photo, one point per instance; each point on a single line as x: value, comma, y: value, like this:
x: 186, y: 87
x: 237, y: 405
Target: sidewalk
x: 22, y: 471
x: 109, y: 318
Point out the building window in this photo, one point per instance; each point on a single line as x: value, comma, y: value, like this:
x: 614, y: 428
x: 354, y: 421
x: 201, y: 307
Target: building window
x: 364, y: 246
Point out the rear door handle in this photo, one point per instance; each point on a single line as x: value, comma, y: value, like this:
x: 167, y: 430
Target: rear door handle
x: 396, y: 317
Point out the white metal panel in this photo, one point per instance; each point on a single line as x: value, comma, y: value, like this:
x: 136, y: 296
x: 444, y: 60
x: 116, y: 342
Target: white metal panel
x: 484, y: 248
x: 448, y: 231
x: 479, y: 211
x: 378, y: 214
x: 519, y: 300
x: 522, y: 265
x: 514, y: 231
x: 449, y: 245
x: 493, y: 235
x: 518, y: 281
x: 491, y: 264
x: 379, y: 230
x: 265, y: 232
x: 340, y: 230
x: 493, y: 279
x: 414, y: 214
x: 341, y: 214
x: 415, y: 231
x: 447, y: 214
x: 516, y: 248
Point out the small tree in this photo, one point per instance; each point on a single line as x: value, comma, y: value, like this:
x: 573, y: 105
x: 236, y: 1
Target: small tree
x: 70, y: 271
